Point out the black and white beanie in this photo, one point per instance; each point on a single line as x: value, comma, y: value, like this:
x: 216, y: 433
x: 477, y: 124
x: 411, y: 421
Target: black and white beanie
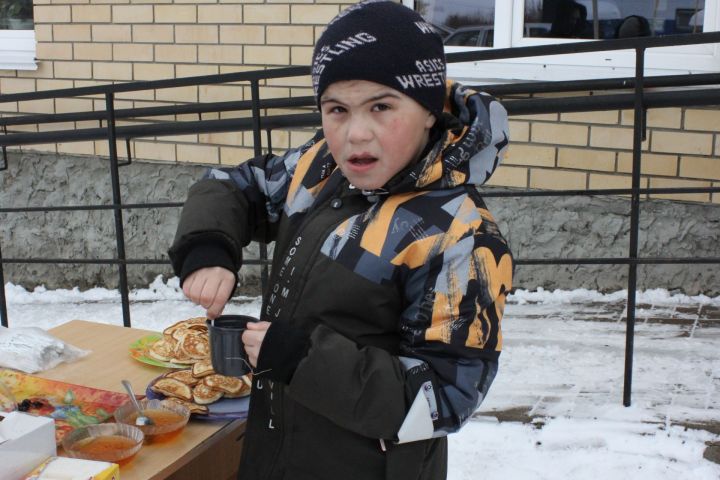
x: 383, y: 42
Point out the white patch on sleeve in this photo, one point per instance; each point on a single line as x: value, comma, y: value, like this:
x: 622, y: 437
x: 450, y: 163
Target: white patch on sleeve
x: 418, y: 423
x: 218, y: 174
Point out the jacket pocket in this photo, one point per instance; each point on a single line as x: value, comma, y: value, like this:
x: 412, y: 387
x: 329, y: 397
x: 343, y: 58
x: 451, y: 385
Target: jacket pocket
x: 320, y: 450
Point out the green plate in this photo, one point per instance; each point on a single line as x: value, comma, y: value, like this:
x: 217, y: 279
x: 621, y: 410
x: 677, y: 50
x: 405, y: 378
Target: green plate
x: 139, y: 349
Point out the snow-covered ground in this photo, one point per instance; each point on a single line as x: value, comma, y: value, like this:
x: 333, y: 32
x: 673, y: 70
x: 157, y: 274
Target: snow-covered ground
x: 555, y: 410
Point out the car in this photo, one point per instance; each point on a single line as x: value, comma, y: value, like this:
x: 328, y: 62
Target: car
x: 483, y: 35
x: 442, y: 30
x: 475, y: 36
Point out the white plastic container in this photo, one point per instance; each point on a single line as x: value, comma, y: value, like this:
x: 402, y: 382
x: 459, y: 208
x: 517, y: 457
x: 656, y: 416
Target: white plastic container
x: 25, y: 442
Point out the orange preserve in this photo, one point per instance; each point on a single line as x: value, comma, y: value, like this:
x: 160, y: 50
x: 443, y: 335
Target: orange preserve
x: 104, y: 447
x: 161, y: 418
x: 167, y: 423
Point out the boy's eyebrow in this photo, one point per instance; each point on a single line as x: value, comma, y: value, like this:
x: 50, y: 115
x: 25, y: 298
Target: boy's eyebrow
x: 374, y: 98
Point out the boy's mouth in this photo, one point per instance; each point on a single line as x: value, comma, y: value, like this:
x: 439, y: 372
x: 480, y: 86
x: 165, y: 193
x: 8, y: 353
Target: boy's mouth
x: 361, y: 160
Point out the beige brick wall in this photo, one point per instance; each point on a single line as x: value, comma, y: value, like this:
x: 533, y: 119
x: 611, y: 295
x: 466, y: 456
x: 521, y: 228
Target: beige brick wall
x: 89, y: 42
x: 594, y: 150
x: 82, y: 42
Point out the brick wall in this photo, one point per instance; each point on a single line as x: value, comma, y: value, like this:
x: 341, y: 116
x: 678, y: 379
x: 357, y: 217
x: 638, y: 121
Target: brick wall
x: 88, y: 42
x: 594, y: 150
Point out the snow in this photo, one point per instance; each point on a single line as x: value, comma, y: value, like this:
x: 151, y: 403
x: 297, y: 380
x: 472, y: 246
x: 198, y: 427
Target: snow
x: 555, y: 410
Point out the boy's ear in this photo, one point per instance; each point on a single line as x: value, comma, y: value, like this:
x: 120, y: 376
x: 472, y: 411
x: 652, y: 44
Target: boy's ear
x: 430, y: 121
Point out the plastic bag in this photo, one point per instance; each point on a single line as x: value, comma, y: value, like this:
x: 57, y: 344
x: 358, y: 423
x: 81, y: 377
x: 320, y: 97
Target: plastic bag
x: 32, y: 349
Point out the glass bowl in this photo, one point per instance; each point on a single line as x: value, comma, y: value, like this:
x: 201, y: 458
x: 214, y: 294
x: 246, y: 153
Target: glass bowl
x: 168, y: 417
x: 107, y: 442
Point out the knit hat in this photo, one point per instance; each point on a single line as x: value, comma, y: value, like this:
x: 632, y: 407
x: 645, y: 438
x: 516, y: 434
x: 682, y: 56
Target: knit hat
x: 386, y: 43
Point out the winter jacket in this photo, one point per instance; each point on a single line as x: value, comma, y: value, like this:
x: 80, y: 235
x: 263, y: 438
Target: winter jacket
x: 385, y: 305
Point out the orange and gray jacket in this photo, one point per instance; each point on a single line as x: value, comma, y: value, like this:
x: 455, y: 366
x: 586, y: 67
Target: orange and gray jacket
x: 385, y: 305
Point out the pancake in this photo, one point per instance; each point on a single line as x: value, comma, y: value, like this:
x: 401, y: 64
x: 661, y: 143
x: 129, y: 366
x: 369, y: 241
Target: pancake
x: 203, y: 394
x: 179, y: 333
x: 185, y: 376
x: 202, y: 368
x: 163, y: 349
x: 184, y: 324
x: 228, y: 385
x: 194, y: 346
x: 244, y: 392
x: 198, y: 327
x: 192, y: 406
x: 180, y: 356
x: 171, y: 387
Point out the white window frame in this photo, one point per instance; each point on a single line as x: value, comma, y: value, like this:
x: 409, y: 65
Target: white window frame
x: 509, y: 19
x: 17, y: 50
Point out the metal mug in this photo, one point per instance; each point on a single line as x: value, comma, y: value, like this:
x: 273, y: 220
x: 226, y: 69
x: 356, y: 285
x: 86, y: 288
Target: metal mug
x: 227, y: 351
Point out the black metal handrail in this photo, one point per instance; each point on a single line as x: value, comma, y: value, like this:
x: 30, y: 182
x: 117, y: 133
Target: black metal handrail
x: 191, y: 108
x: 249, y: 76
x: 708, y: 96
x: 639, y: 101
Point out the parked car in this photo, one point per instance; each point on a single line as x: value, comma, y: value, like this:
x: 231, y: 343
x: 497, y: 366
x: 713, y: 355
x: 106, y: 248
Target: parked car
x: 442, y: 30
x: 475, y: 36
x: 483, y: 35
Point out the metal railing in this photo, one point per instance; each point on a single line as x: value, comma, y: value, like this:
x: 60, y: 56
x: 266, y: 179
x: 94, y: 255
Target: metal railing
x: 640, y: 100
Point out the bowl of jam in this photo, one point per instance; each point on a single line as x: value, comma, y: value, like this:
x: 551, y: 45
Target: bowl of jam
x: 106, y: 442
x: 169, y: 418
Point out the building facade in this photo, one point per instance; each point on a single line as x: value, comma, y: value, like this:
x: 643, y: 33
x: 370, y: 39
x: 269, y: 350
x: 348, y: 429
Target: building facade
x: 77, y: 43
x: 88, y: 42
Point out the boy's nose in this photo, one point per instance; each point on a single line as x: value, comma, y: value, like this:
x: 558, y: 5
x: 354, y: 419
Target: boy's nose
x: 358, y: 130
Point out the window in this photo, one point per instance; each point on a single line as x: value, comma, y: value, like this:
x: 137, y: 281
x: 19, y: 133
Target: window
x: 604, y: 19
x: 472, y: 24
x: 17, y: 37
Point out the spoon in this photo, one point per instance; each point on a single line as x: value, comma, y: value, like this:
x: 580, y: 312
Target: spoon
x: 141, y: 419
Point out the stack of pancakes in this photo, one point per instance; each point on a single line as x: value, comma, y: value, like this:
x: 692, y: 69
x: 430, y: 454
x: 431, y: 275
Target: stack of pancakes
x: 187, y: 343
x: 199, y: 386
x: 184, y: 342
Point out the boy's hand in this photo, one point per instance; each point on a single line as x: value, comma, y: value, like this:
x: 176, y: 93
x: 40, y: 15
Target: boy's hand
x: 210, y: 287
x: 253, y: 337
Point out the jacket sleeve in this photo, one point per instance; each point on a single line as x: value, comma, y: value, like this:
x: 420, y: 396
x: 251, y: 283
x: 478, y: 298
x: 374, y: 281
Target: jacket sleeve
x: 230, y: 207
x: 450, y: 364
x: 450, y: 346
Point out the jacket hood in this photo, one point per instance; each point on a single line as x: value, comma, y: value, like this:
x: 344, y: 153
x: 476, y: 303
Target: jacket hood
x: 469, y: 149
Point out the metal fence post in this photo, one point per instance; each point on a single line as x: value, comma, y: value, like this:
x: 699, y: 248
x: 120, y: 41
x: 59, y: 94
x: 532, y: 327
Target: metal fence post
x: 257, y: 146
x: 6, y: 162
x: 3, y: 299
x: 638, y: 131
x: 117, y: 208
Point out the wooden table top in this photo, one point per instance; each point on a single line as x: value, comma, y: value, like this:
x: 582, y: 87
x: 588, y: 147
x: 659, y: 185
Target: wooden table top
x: 107, y: 364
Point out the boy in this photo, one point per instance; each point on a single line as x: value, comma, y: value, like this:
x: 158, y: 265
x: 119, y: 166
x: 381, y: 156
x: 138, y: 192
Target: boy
x: 380, y: 329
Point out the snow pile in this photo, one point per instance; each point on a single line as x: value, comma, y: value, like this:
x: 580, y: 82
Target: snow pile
x: 657, y: 296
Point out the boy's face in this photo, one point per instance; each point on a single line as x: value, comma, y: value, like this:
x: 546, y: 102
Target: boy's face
x: 373, y: 131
